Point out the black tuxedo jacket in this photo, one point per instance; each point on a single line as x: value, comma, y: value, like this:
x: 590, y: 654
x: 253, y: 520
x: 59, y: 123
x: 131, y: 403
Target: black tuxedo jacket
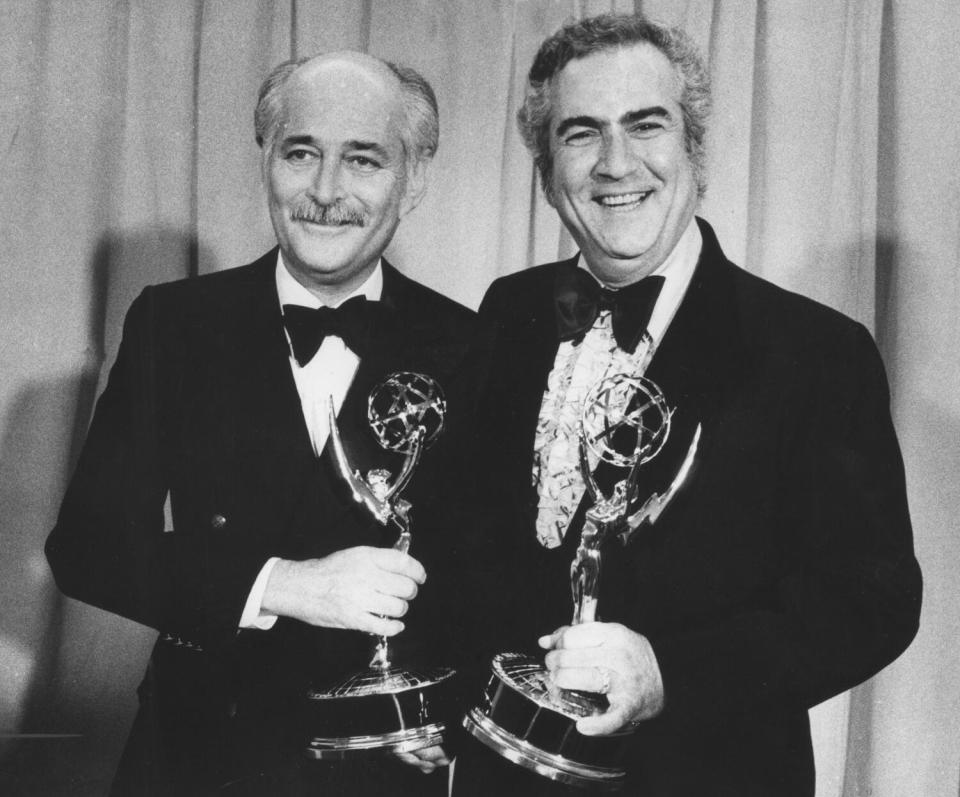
x: 781, y: 575
x: 201, y: 406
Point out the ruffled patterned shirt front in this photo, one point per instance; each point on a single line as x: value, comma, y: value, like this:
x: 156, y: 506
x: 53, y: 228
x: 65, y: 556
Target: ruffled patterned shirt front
x: 556, y: 460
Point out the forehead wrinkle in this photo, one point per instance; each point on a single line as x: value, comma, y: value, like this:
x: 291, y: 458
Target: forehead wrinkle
x: 348, y: 74
x: 648, y: 76
x: 341, y: 99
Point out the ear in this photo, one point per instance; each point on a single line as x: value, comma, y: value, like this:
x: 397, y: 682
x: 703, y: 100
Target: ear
x: 416, y: 186
x: 264, y: 165
x: 548, y: 192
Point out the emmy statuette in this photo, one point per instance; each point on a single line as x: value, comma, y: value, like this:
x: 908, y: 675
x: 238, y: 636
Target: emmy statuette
x: 385, y: 708
x: 524, y: 717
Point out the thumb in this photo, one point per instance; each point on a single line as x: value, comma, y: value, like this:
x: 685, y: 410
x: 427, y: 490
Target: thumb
x: 609, y: 722
x: 551, y: 641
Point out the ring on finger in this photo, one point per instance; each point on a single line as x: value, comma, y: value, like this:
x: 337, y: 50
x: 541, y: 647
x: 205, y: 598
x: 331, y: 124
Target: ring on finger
x: 603, y: 675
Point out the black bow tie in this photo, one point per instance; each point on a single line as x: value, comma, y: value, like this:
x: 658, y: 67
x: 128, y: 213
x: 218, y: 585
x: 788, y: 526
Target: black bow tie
x: 580, y: 299
x: 307, y: 327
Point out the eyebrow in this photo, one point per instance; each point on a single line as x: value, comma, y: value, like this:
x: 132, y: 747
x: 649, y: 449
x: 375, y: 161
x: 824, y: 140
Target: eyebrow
x: 629, y: 118
x: 644, y: 113
x: 294, y: 140
x: 368, y: 146
x: 362, y: 146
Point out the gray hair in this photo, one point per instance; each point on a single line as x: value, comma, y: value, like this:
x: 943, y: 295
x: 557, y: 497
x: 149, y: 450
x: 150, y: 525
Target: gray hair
x: 606, y: 32
x: 421, y: 130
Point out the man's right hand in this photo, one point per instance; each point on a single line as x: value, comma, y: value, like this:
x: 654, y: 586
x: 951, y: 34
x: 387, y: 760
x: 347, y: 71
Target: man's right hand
x: 360, y: 588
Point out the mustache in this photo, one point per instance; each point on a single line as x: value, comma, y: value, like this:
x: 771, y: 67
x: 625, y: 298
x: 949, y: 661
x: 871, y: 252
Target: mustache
x: 336, y: 214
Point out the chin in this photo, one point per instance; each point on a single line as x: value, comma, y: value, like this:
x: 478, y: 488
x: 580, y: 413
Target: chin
x: 331, y: 273
x: 623, y: 266
x: 623, y: 258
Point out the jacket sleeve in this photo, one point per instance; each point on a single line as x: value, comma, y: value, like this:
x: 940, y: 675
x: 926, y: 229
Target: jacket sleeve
x: 110, y: 547
x: 846, y: 599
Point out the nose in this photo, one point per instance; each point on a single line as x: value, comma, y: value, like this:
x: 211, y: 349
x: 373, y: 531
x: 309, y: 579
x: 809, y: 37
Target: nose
x: 327, y: 185
x: 617, y: 158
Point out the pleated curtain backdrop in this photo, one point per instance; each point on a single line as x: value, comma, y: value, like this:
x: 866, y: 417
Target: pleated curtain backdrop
x: 129, y: 159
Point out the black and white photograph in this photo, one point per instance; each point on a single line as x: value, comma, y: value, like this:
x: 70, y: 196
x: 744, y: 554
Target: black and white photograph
x: 478, y: 398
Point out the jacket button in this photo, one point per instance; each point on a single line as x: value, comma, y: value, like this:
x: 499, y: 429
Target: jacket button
x: 218, y: 521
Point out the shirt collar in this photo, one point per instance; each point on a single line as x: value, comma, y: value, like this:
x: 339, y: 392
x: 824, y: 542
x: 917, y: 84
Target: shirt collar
x: 290, y: 291
x: 677, y: 270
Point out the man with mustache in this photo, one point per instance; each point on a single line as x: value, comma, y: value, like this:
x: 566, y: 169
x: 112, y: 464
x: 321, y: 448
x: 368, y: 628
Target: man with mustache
x: 272, y: 579
x: 783, y: 573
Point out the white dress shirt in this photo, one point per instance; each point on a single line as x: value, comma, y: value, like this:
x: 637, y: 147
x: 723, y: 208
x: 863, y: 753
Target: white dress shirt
x: 327, y: 375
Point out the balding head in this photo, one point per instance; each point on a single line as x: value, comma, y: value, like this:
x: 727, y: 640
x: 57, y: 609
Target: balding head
x: 345, y: 154
x: 418, y: 117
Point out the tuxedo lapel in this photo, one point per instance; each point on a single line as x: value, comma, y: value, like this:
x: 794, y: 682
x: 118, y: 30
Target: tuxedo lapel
x: 266, y: 428
x: 405, y: 337
x: 525, y: 352
x: 694, y: 360
x: 361, y: 447
x: 695, y: 365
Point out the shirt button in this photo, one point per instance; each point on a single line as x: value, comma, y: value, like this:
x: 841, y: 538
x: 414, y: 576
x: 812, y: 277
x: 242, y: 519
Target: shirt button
x: 218, y: 521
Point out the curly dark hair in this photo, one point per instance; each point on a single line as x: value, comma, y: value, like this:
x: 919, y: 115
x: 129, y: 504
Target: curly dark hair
x: 605, y: 32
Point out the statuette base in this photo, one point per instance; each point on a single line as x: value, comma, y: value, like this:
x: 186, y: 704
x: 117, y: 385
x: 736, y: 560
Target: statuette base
x: 379, y: 711
x: 534, y: 726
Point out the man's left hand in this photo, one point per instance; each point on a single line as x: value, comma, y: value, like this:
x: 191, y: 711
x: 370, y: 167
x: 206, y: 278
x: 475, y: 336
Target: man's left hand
x: 611, y: 659
x: 426, y: 760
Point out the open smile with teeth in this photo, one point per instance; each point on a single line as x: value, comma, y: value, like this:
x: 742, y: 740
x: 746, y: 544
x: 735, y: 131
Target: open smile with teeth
x: 625, y: 201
